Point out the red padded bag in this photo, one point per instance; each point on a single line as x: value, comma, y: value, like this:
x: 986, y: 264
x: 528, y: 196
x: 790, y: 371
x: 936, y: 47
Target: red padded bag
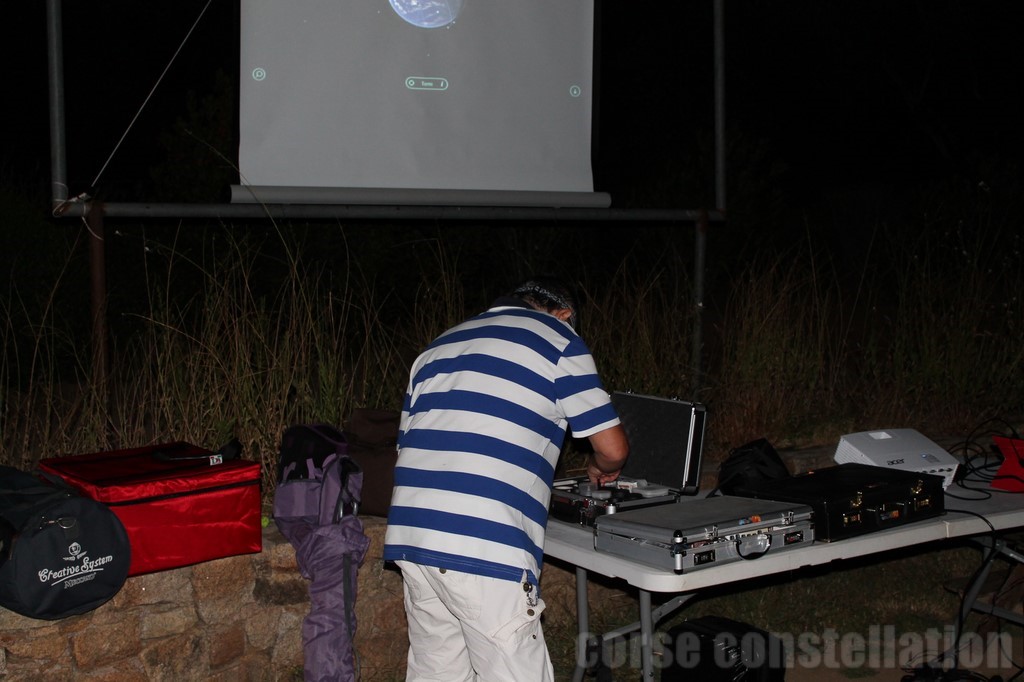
x: 180, y: 504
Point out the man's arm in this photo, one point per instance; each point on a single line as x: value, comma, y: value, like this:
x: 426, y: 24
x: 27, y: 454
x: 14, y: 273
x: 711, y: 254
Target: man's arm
x: 610, y: 451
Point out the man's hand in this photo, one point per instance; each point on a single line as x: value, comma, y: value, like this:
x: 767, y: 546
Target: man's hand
x: 598, y: 477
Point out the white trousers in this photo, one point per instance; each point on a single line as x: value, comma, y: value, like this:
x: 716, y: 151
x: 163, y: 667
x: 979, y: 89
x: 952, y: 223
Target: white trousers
x: 465, y: 627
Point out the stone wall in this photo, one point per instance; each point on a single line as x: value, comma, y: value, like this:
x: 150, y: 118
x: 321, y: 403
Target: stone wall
x: 236, y: 618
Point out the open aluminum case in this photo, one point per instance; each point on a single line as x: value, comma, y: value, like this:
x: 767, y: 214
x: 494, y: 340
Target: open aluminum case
x: 703, y: 532
x: 666, y: 440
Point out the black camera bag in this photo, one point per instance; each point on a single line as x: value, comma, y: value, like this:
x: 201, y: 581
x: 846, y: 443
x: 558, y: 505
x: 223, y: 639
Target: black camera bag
x: 749, y: 464
x: 61, y: 554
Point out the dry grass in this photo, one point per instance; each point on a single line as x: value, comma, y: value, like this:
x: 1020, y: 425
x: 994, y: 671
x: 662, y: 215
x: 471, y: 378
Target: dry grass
x: 254, y: 332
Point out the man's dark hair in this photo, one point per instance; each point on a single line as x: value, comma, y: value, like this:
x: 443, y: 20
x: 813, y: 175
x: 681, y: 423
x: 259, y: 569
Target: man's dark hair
x: 547, y: 293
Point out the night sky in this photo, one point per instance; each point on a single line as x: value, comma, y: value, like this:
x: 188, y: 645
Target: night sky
x: 821, y: 95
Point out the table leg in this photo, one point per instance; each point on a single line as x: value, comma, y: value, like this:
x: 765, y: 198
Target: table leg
x: 646, y: 636
x: 589, y: 645
x: 582, y: 625
x: 995, y: 547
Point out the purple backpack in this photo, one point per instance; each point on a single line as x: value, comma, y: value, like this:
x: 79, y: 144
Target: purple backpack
x: 316, y: 507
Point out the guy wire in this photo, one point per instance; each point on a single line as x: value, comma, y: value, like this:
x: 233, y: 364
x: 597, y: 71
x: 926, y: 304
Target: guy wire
x: 152, y: 90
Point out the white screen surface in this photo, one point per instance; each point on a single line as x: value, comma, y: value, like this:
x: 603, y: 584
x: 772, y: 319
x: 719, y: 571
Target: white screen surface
x: 352, y: 95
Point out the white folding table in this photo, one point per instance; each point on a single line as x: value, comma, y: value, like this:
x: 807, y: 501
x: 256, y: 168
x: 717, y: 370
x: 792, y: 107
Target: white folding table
x: 981, y: 517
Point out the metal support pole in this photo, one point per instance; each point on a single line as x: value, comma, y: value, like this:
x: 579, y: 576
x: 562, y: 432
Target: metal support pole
x: 55, y: 62
x: 719, y: 27
x: 700, y: 233
x: 703, y: 221
x: 98, y: 291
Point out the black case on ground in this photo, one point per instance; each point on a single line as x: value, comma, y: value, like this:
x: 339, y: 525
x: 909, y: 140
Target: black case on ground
x: 853, y: 499
x: 716, y: 649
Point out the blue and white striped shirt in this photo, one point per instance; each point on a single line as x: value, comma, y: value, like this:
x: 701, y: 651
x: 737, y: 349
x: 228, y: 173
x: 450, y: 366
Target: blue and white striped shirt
x: 482, y: 427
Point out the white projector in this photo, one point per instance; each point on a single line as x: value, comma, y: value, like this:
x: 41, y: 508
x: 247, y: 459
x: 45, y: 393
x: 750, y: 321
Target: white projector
x: 903, y: 449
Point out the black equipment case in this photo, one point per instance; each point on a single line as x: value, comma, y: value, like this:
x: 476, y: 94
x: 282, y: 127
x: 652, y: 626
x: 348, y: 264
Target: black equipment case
x: 853, y: 499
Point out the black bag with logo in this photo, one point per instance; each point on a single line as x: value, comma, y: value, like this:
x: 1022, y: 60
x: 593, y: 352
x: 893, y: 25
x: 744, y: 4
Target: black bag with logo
x: 61, y: 554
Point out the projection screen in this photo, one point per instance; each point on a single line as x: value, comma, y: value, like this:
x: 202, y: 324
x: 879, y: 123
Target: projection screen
x: 451, y: 102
